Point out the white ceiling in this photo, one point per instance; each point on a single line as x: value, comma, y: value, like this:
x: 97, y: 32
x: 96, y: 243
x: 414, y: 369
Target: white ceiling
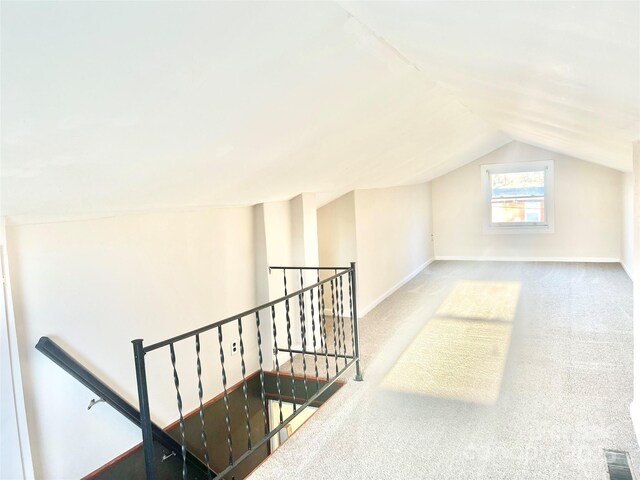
x: 112, y: 106
x: 562, y: 75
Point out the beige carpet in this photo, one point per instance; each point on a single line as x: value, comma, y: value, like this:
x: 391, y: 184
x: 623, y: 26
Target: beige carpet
x: 479, y: 370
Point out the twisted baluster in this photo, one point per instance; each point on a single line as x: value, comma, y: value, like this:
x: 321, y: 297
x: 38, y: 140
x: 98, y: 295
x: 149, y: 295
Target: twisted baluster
x: 342, y: 328
x: 303, y: 334
x: 244, y: 384
x: 203, y: 433
x: 227, y: 419
x: 176, y: 382
x: 313, y: 329
x: 323, y: 326
x: 333, y: 315
x: 262, y: 390
x: 320, y: 299
x: 286, y: 306
x: 338, y: 318
x: 275, y: 352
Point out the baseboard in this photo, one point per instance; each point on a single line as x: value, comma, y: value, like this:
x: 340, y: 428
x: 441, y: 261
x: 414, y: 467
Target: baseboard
x: 398, y: 285
x: 626, y: 269
x: 635, y: 418
x: 328, y: 312
x: 530, y: 259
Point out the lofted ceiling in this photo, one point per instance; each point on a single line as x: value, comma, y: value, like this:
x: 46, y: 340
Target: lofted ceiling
x: 560, y: 75
x: 128, y: 106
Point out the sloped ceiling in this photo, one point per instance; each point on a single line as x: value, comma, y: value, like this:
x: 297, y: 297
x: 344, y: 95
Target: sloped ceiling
x: 561, y: 75
x: 112, y: 107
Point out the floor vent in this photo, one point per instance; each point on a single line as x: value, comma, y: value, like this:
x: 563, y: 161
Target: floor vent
x: 618, y: 465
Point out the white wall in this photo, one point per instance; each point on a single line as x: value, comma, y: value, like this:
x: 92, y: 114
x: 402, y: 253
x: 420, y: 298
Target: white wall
x: 288, y: 233
x: 95, y: 285
x: 393, y: 234
x: 337, y: 246
x: 386, y: 231
x: 337, y: 232
x: 626, y: 247
x: 277, y: 220
x: 304, y: 227
x: 635, y: 406
x: 588, y: 202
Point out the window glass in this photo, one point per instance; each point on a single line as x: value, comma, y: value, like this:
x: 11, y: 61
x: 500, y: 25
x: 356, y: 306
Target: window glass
x: 517, y: 197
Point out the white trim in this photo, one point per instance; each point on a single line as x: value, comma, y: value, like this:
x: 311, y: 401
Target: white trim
x: 626, y: 269
x: 517, y: 229
x: 327, y: 311
x: 17, y: 395
x: 635, y: 418
x: 530, y: 259
x: 393, y: 289
x: 372, y: 305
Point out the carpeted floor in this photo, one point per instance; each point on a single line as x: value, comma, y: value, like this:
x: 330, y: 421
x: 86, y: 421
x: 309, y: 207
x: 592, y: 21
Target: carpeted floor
x: 481, y: 370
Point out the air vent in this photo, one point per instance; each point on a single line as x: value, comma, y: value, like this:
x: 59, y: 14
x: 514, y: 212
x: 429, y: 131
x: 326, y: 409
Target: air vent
x: 618, y: 465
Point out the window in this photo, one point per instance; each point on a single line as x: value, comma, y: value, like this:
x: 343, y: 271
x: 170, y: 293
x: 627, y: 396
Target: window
x: 518, y: 197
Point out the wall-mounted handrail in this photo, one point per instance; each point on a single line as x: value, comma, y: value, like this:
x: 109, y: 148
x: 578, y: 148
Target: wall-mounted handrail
x: 343, y: 325
x: 78, y: 371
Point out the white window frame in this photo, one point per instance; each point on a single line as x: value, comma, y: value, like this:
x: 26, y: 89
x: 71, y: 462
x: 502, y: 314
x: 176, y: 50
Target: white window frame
x: 548, y: 226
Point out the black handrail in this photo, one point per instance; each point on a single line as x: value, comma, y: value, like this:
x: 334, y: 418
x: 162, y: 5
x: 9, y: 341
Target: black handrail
x: 74, y: 368
x: 246, y: 313
x: 308, y: 268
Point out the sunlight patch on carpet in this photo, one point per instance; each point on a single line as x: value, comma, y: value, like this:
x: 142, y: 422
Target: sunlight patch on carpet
x: 482, y: 300
x: 461, y: 353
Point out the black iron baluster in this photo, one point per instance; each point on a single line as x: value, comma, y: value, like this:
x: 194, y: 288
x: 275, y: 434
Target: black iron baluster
x: 275, y: 354
x: 338, y: 319
x: 323, y: 326
x: 356, y: 353
x: 342, y: 327
x: 243, y: 369
x: 176, y: 382
x: 313, y: 331
x: 333, y: 324
x: 353, y: 337
x: 303, y: 334
x: 286, y: 306
x: 143, y: 401
x: 227, y: 418
x: 203, y: 433
x: 189, y: 461
x: 264, y: 402
x: 319, y: 310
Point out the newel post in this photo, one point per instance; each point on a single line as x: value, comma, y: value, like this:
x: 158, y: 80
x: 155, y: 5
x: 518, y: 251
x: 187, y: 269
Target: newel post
x: 355, y: 321
x: 145, y: 414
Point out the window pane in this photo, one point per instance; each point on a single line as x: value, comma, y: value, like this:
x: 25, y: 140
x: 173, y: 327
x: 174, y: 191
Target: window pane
x: 517, y: 197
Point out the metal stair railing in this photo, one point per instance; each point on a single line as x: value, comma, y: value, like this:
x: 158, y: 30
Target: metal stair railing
x: 342, y: 356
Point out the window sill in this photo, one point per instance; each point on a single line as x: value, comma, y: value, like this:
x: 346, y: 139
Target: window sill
x: 517, y: 229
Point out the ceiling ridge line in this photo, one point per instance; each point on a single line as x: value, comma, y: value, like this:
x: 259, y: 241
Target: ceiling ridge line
x: 382, y: 40
x: 405, y: 59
